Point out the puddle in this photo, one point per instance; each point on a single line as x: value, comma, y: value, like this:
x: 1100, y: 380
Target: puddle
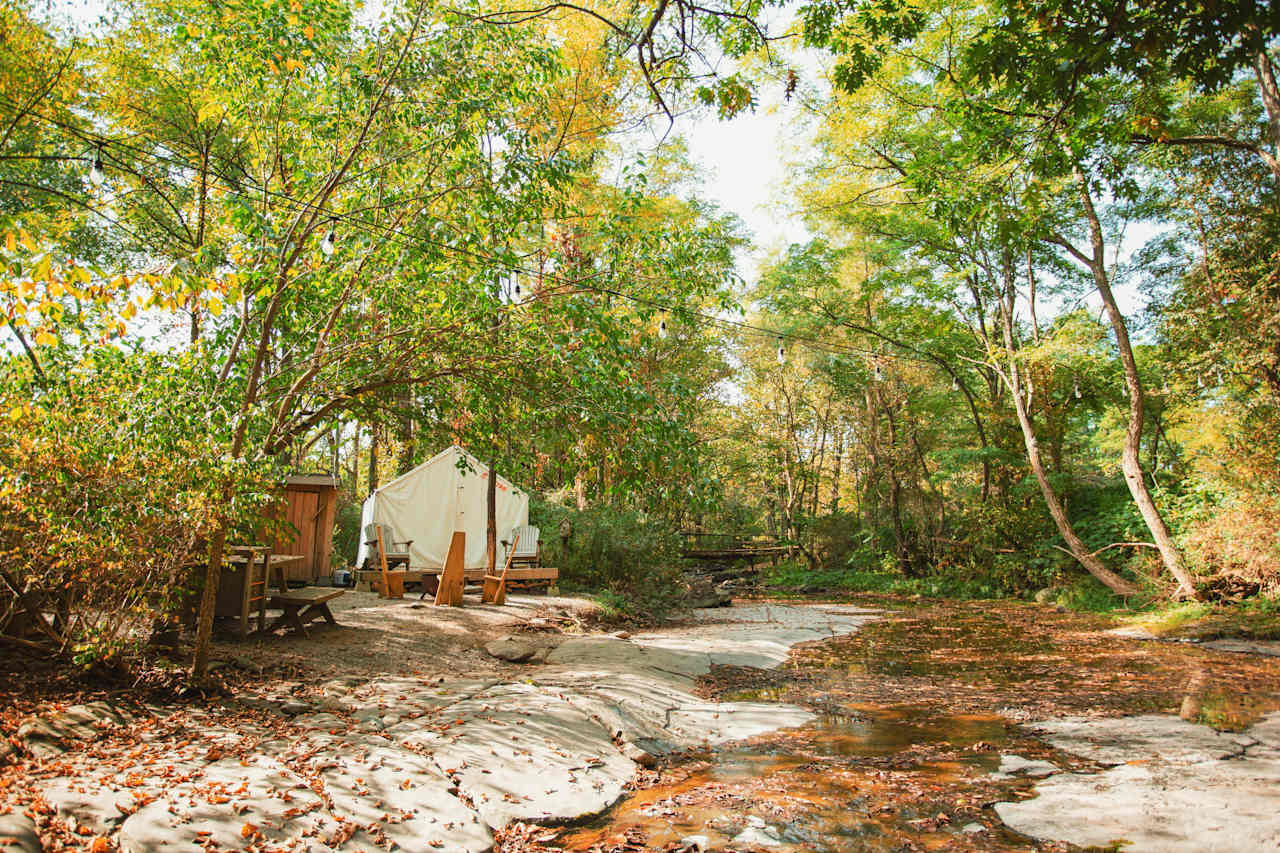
x: 914, y: 713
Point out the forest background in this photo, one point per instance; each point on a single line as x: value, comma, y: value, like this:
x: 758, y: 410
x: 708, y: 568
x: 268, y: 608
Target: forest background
x: 243, y: 239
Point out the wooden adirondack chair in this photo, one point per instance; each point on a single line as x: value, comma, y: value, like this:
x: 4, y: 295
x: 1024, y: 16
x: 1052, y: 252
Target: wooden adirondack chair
x: 495, y: 586
x: 525, y: 547
x: 395, y: 550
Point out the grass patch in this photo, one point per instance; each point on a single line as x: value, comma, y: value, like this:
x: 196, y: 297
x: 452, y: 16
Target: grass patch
x: 790, y: 577
x: 1167, y: 620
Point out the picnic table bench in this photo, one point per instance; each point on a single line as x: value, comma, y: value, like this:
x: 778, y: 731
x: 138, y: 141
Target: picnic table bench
x: 245, y: 595
x: 301, y: 606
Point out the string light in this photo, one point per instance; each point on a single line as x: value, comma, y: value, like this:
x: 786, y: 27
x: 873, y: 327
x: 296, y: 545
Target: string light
x: 662, y: 328
x: 955, y: 384
x: 1075, y: 382
x: 877, y: 373
x: 330, y: 241
x: 98, y: 170
x: 782, y: 353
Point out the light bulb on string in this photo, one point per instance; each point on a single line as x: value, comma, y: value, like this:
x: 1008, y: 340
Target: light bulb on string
x: 330, y: 242
x: 782, y: 353
x: 1075, y: 383
x: 662, y: 328
x: 877, y: 373
x: 955, y: 384
x: 97, y: 170
x: 517, y: 294
x: 1199, y: 380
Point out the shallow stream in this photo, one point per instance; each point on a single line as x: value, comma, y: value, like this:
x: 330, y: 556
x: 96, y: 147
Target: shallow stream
x: 913, y: 716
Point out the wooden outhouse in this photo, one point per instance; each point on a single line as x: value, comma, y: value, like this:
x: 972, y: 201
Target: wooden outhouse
x: 311, y: 501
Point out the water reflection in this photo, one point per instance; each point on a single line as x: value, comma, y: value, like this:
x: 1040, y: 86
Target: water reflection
x: 914, y: 713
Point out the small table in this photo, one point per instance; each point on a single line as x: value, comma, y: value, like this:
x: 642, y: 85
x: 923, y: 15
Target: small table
x: 304, y: 605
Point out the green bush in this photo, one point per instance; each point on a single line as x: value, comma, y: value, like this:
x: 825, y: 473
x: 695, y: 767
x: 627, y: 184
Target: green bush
x: 630, y: 559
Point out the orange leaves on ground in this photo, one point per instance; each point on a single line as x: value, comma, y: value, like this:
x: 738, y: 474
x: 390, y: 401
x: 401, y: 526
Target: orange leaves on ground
x: 100, y: 845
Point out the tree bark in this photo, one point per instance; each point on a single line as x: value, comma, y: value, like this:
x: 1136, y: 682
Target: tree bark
x: 838, y: 462
x: 1271, y: 100
x: 373, y: 458
x: 1131, y: 462
x: 1079, y: 550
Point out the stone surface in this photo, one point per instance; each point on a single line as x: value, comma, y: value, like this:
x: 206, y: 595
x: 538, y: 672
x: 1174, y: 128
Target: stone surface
x: 1182, y: 788
x: 1143, y: 738
x: 18, y: 834
x: 1253, y: 647
x: 417, y: 763
x: 1016, y: 765
x: 510, y: 649
x: 758, y: 834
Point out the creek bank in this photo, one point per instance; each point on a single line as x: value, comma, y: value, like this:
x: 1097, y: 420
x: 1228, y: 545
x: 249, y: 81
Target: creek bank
x: 1169, y: 786
x: 422, y: 763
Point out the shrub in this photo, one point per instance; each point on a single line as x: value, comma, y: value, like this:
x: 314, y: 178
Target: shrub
x: 110, y: 485
x: 632, y: 557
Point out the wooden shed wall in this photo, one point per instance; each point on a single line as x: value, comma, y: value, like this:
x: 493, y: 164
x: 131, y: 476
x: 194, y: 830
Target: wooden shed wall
x: 311, y: 509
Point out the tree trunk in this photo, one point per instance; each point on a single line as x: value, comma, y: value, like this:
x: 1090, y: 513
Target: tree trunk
x: 491, y: 507
x: 1271, y: 100
x: 1131, y: 462
x: 1079, y: 550
x: 373, y: 458
x: 837, y: 463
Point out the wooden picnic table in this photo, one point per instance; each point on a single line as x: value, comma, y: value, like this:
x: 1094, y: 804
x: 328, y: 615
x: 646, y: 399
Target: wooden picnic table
x: 245, y: 593
x: 301, y: 606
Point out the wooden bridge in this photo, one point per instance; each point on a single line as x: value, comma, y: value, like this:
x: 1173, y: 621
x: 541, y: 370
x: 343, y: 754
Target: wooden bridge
x: 703, y: 545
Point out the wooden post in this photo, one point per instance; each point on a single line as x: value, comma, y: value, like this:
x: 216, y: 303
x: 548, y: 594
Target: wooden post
x: 382, y: 559
x: 452, y: 577
x: 495, y: 587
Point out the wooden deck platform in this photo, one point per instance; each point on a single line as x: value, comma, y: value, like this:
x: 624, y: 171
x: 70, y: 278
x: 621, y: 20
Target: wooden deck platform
x: 518, y: 574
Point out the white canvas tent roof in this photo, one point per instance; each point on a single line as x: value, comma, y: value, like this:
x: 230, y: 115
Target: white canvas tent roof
x: 426, y: 503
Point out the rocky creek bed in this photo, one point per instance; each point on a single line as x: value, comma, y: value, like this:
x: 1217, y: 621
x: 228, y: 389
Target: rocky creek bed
x: 980, y: 726
x: 409, y: 762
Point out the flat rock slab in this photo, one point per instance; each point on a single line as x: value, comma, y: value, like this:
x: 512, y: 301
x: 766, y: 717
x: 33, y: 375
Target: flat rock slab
x: 1146, y: 738
x: 1016, y: 765
x: 1252, y: 647
x: 1183, y: 788
x: 18, y: 834
x: 416, y: 763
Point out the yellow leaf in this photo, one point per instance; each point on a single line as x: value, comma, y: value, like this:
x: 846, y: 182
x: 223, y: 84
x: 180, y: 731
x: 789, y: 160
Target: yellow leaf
x: 43, y: 269
x: 207, y: 110
x: 120, y: 329
x: 28, y: 241
x: 293, y: 20
x: 295, y: 5
x: 292, y: 64
x: 44, y: 339
x: 309, y: 31
x: 10, y: 242
x: 15, y: 413
x: 215, y: 307
x: 55, y: 289
x: 129, y: 310
x: 193, y: 31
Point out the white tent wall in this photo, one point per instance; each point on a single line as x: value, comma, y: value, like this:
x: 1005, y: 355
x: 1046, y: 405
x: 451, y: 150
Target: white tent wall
x: 428, y: 503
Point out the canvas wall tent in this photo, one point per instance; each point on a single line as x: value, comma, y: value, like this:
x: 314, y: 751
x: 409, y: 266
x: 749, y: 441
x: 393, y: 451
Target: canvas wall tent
x: 426, y: 503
